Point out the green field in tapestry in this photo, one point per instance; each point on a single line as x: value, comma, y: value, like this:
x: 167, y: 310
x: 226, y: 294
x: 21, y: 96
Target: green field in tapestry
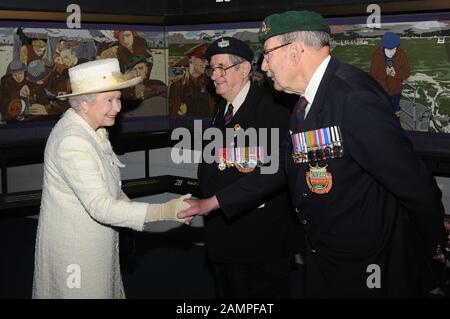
x: 430, y: 65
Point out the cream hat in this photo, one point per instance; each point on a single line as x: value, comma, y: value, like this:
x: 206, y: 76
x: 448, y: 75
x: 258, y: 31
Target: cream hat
x: 98, y: 76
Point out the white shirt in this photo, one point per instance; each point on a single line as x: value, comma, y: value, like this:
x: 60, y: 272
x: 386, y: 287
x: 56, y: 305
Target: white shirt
x: 239, y: 99
x: 314, y: 83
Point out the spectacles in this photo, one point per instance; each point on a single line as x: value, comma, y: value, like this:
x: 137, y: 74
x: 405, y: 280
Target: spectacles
x: 266, y: 52
x: 220, y: 69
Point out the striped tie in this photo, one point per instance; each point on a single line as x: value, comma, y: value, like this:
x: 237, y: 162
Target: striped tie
x: 229, y: 114
x: 300, y: 113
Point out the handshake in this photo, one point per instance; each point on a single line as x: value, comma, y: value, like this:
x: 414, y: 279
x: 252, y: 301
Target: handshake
x: 182, y: 209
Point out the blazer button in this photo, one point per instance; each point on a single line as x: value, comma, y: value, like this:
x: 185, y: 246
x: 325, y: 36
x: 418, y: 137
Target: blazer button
x: 313, y: 251
x: 304, y: 221
x: 297, y: 210
x: 304, y: 195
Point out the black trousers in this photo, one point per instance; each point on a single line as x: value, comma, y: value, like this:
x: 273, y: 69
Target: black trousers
x: 262, y: 280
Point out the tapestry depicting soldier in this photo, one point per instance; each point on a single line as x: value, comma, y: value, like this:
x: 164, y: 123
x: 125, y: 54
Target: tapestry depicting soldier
x: 148, y: 98
x: 390, y: 67
x: 41, y: 100
x: 24, y: 92
x: 14, y: 91
x: 131, y: 44
x: 35, y: 63
x: 34, y: 51
x: 189, y: 94
x: 59, y: 83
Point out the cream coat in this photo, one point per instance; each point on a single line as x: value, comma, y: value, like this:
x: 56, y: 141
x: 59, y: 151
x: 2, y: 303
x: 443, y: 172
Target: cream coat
x: 77, y: 248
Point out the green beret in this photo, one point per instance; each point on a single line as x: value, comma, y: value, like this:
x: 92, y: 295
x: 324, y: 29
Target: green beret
x: 291, y: 21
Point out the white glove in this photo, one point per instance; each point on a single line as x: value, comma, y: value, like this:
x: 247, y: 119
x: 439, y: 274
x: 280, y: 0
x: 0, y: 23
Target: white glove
x: 168, y: 210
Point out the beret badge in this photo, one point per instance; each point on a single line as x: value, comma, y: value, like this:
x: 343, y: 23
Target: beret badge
x: 264, y: 29
x: 223, y: 43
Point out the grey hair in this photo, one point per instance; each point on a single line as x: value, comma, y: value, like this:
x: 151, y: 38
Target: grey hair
x: 235, y: 59
x: 313, y: 39
x: 75, y: 101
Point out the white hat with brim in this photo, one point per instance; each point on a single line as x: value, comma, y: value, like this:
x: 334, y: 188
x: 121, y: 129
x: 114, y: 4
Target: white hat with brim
x: 98, y: 76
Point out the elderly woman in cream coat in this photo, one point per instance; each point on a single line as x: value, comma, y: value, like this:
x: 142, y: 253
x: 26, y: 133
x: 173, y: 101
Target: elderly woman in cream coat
x: 77, y: 247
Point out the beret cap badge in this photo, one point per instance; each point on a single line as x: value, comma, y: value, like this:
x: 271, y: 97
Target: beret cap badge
x: 223, y: 43
x: 264, y: 29
x: 229, y: 45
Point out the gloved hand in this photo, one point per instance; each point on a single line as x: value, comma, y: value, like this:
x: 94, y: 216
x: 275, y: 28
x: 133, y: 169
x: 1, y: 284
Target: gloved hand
x: 168, y: 210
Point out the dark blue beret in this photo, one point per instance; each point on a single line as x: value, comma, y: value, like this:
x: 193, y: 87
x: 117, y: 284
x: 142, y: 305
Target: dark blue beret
x: 229, y: 45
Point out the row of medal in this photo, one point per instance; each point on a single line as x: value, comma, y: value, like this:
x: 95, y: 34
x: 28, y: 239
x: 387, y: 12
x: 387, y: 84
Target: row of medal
x: 245, y: 159
x: 315, y: 145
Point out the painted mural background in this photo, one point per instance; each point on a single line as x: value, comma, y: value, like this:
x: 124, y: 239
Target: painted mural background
x: 169, y: 59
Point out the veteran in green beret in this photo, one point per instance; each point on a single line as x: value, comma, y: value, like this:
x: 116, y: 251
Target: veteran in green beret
x: 371, y: 210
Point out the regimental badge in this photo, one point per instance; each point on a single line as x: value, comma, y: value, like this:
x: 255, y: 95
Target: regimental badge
x: 318, y: 179
x: 223, y: 43
x: 265, y: 29
x: 316, y: 145
x: 247, y: 167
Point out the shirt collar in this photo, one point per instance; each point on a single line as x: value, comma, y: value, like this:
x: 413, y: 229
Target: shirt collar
x: 314, y: 83
x: 240, y: 98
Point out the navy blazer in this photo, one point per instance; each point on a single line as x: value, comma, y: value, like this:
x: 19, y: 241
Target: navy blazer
x: 255, y: 234
x: 383, y: 216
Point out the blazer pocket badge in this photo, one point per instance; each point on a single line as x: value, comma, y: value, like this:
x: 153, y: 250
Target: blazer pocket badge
x: 318, y: 179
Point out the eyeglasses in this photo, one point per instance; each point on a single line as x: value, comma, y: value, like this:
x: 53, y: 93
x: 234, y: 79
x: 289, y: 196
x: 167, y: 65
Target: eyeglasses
x: 220, y: 69
x: 266, y: 52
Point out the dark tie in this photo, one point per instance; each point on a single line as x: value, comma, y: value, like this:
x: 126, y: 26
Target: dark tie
x: 299, y: 112
x: 228, y: 115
